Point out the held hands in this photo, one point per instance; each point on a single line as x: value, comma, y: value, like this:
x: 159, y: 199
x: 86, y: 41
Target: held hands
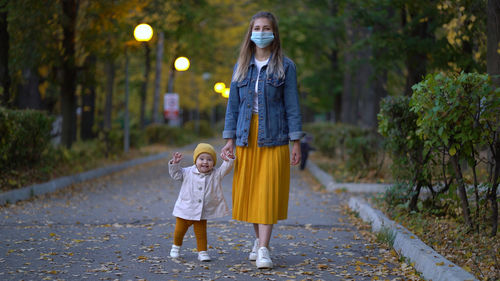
x: 177, y: 156
x: 228, y: 150
x: 296, y: 155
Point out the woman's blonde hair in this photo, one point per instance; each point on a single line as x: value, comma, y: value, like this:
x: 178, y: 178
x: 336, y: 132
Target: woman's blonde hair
x: 247, y: 49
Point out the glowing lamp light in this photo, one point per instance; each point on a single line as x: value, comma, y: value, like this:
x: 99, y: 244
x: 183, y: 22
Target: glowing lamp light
x: 143, y: 32
x: 181, y: 64
x: 219, y: 87
x: 225, y: 93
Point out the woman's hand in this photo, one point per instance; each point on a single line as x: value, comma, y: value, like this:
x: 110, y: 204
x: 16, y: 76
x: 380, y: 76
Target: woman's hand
x: 227, y: 150
x: 295, y: 153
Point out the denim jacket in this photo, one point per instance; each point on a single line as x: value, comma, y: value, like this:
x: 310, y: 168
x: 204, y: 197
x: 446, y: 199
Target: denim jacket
x: 279, y: 112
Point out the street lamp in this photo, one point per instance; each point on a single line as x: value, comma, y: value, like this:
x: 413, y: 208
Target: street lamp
x: 181, y: 64
x: 143, y: 33
x: 219, y: 87
x: 225, y: 93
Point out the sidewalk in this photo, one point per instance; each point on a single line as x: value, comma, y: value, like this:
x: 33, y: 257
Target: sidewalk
x: 432, y: 265
x: 120, y: 226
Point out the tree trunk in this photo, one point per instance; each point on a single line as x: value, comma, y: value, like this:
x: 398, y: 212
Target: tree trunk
x: 414, y: 197
x: 492, y: 195
x: 110, y: 82
x: 349, y: 98
x: 337, y: 98
x: 29, y: 95
x: 68, y: 98
x: 334, y: 62
x: 379, y: 88
x: 365, y: 84
x: 4, y: 58
x: 462, y: 193
x: 493, y: 31
x: 88, y: 99
x: 493, y: 67
x: 144, y: 88
x: 156, y: 97
x: 416, y: 59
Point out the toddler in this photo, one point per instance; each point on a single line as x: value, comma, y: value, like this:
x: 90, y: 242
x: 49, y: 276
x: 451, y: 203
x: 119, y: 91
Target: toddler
x: 200, y: 197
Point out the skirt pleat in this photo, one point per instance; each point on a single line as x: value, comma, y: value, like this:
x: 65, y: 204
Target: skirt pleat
x: 261, y: 181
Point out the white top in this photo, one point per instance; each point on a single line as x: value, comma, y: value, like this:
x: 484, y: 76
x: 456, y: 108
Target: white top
x: 259, y: 65
x: 201, y: 195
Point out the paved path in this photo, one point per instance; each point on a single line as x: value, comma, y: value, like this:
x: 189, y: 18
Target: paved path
x: 119, y: 227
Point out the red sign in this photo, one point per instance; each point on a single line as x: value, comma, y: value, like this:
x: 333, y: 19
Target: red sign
x: 171, y: 106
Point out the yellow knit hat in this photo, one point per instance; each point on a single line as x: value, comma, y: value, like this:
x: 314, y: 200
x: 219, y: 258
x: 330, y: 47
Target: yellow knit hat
x: 204, y: 148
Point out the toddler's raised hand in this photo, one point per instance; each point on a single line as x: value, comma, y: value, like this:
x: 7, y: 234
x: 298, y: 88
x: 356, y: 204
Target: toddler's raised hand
x: 177, y: 156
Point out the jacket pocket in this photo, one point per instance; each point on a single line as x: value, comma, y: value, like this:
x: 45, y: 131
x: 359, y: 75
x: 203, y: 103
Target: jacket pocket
x: 242, y: 89
x: 275, y: 88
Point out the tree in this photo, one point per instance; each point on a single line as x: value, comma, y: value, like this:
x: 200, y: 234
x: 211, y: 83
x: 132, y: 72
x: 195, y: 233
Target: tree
x: 493, y: 49
x: 88, y: 97
x: 493, y: 65
x: 313, y: 34
x: 4, y: 54
x: 69, y: 71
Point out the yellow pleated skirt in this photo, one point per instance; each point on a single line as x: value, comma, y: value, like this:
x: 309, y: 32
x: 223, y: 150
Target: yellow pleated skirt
x: 261, y: 181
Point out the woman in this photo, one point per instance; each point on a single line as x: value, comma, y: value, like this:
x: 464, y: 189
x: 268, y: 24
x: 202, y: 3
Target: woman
x: 262, y: 117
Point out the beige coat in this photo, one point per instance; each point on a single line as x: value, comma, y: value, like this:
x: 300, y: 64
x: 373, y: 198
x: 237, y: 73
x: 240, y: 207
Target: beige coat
x: 201, y: 195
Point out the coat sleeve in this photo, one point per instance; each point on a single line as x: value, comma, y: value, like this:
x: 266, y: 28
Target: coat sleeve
x: 292, y: 106
x: 175, y: 171
x: 225, y: 168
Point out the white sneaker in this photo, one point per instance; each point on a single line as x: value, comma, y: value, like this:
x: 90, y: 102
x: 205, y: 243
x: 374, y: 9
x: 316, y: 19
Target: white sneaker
x: 174, y: 252
x: 203, y: 256
x: 253, y: 254
x: 263, y: 259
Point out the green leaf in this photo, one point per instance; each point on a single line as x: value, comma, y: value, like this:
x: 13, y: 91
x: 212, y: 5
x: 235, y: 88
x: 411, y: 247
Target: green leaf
x: 452, y: 151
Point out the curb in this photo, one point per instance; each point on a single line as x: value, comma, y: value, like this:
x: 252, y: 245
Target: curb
x: 432, y: 265
x: 24, y: 193
x: 330, y: 184
x: 424, y: 259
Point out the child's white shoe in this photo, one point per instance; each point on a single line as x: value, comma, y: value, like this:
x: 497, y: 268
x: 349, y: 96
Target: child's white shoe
x: 174, y: 252
x: 253, y: 253
x: 263, y: 258
x: 203, y: 256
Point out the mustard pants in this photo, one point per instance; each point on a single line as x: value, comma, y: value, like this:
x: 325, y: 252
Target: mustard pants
x: 200, y: 231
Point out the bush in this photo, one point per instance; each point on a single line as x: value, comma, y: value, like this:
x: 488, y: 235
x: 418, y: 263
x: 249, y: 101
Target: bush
x: 165, y: 134
x: 24, y: 135
x: 410, y: 162
x: 359, y: 148
x: 205, y: 129
x: 459, y: 116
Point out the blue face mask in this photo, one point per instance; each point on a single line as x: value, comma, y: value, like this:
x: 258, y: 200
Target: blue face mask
x: 262, y: 39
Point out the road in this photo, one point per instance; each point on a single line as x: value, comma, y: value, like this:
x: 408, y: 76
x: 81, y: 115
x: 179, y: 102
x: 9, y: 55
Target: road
x: 120, y: 227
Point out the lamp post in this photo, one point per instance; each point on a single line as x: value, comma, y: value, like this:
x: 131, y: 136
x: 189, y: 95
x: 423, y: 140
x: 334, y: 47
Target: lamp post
x: 126, y: 132
x: 172, y: 112
x: 143, y: 33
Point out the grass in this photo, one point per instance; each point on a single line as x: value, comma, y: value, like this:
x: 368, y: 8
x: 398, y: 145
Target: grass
x: 386, y: 236
x: 63, y: 162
